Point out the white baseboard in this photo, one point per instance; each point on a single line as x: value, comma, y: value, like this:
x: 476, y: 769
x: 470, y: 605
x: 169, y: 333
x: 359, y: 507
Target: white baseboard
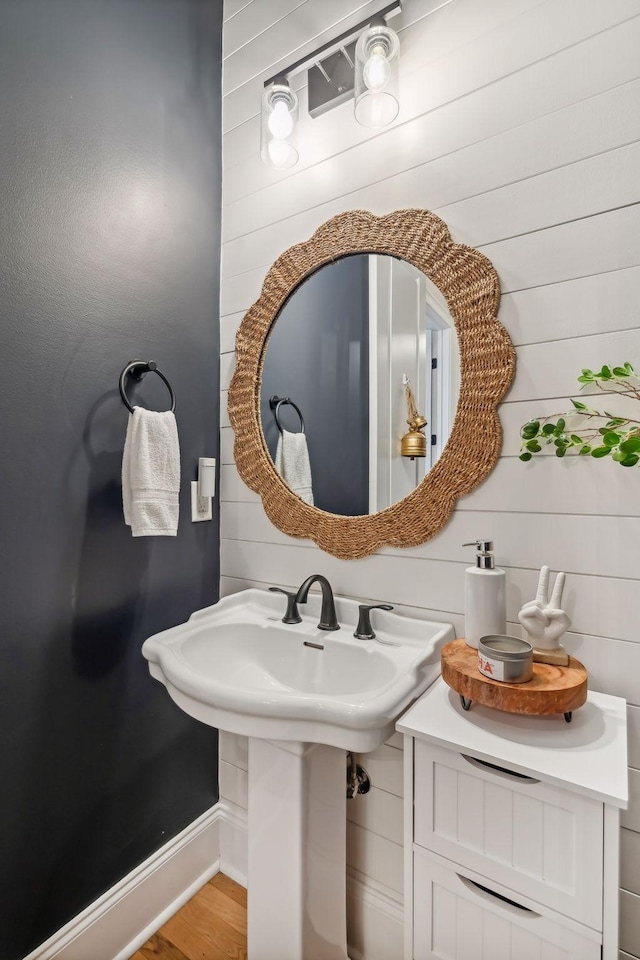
x: 121, y: 920
x: 233, y: 841
x: 375, y: 919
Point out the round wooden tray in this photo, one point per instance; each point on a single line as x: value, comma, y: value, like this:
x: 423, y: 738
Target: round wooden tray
x: 551, y: 690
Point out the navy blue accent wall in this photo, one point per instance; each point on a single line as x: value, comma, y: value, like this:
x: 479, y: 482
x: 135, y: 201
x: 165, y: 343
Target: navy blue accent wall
x: 109, y: 250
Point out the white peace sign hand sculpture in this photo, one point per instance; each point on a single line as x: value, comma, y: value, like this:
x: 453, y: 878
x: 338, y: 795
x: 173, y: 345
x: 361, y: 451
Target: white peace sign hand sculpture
x: 544, y: 620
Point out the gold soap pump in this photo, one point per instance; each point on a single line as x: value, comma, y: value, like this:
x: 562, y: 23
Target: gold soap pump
x: 414, y: 442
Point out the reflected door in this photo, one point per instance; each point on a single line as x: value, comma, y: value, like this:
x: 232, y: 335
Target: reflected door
x: 397, y: 329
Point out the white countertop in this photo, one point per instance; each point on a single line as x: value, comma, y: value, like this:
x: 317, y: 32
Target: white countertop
x: 588, y: 755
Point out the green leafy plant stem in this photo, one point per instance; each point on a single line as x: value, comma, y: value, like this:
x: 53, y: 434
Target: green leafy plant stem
x: 600, y: 434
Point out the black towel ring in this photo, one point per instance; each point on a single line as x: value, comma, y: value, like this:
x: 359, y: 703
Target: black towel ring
x: 275, y: 404
x: 139, y: 369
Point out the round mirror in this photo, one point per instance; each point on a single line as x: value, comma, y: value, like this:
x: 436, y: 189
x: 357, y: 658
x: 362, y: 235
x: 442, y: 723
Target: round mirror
x: 358, y: 347
x: 417, y: 245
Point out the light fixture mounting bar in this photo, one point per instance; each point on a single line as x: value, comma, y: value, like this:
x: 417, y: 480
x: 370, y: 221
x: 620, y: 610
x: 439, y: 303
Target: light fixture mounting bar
x: 330, y: 81
x: 389, y: 10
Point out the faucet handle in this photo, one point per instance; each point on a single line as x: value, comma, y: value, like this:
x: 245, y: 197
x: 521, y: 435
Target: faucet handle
x: 292, y: 615
x: 364, y: 630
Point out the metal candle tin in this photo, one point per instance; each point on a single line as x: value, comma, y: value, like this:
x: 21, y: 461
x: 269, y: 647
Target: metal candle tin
x: 505, y: 658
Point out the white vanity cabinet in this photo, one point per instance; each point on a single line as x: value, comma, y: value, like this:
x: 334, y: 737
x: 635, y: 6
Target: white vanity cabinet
x: 511, y: 830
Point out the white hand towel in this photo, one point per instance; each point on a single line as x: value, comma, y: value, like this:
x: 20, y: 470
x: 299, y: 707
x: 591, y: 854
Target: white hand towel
x: 151, y: 474
x: 292, y: 463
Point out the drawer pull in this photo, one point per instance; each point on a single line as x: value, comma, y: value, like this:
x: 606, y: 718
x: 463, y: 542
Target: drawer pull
x: 491, y: 894
x: 502, y: 771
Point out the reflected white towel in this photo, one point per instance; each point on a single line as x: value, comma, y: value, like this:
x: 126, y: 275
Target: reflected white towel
x: 292, y: 463
x: 151, y: 474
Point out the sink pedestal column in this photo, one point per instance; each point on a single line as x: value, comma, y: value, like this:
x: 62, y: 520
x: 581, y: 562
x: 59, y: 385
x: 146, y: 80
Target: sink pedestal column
x: 297, y: 851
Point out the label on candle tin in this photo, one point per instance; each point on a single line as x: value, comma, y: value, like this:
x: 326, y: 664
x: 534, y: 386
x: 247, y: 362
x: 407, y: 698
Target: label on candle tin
x: 491, y: 668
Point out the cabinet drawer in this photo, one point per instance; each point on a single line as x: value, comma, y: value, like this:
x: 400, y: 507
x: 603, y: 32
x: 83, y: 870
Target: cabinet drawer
x: 456, y: 919
x: 537, y: 839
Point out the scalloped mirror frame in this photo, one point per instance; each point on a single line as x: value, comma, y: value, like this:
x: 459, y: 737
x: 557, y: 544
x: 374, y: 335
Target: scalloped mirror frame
x: 471, y: 288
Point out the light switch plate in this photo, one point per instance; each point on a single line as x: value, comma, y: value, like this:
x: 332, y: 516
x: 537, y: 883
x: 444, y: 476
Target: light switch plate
x: 200, y: 506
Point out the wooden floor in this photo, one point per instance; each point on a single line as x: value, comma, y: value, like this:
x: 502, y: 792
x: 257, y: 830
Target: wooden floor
x: 211, y: 926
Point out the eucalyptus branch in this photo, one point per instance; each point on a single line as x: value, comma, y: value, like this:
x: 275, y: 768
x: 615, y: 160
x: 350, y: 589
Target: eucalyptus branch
x: 619, y: 437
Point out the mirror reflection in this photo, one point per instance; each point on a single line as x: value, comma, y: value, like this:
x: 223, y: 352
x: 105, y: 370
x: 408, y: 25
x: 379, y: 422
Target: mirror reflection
x: 354, y: 345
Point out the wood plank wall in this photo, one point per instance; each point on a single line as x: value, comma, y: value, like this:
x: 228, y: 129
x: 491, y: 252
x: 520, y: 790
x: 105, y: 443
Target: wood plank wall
x: 520, y: 126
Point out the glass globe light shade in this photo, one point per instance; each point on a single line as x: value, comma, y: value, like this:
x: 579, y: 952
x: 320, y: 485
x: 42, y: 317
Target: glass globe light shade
x: 376, y: 76
x: 278, y: 125
x: 282, y: 154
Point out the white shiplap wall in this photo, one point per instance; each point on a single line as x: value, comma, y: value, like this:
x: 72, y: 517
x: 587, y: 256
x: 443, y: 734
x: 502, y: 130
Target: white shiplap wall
x: 519, y: 126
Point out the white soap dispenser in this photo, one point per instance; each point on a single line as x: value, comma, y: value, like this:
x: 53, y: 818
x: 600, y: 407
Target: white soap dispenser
x: 484, y: 595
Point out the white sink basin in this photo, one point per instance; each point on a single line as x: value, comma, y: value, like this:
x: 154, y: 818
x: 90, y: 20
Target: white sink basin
x: 237, y: 667
x: 302, y: 696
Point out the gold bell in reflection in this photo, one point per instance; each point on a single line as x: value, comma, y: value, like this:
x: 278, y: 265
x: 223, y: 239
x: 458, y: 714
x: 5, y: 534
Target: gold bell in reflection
x: 413, y: 443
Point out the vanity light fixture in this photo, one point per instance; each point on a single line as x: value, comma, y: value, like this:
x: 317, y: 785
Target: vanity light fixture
x: 278, y: 126
x: 361, y: 63
x: 376, y: 80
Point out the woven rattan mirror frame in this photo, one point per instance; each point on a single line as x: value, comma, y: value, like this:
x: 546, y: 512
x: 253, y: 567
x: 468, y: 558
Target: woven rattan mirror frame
x: 470, y: 286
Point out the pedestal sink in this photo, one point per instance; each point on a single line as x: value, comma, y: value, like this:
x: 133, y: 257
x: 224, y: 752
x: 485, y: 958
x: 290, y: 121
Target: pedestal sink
x: 303, y: 697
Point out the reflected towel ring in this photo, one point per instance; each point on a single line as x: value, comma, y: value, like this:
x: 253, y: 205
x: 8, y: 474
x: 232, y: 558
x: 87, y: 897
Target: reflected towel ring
x: 276, y: 402
x: 139, y: 369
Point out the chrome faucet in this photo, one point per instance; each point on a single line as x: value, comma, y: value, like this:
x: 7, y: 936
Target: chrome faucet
x: 328, y: 619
